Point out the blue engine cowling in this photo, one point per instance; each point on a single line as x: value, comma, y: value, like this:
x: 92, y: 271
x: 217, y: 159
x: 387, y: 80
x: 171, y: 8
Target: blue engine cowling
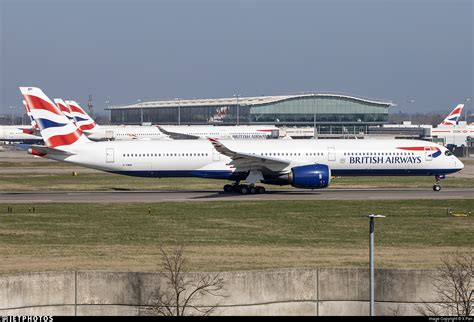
x: 312, y: 176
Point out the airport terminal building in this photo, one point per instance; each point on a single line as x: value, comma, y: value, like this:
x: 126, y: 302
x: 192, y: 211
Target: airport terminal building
x: 332, y: 113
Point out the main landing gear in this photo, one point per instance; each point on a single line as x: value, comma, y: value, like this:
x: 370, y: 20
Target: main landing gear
x: 437, y: 186
x: 244, y: 188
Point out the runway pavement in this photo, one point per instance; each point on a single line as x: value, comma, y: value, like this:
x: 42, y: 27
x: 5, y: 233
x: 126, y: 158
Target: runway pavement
x: 214, y: 195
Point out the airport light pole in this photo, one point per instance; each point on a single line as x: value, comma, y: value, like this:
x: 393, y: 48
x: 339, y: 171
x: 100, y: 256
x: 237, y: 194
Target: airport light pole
x: 465, y: 109
x: 141, y: 110
x: 371, y: 260
x: 179, y: 110
x: 11, y: 110
x: 409, y: 108
x: 237, y: 96
x: 108, y: 102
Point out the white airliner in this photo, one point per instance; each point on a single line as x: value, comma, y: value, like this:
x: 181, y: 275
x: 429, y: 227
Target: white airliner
x: 21, y: 133
x: 17, y: 133
x: 74, y: 112
x: 452, y: 131
x: 125, y: 133
x: 301, y: 163
x: 220, y: 131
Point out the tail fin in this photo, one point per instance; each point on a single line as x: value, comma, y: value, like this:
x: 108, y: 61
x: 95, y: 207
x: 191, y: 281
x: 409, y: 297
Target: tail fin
x: 34, y: 126
x: 55, y: 128
x: 64, y: 109
x: 454, y: 116
x: 83, y: 120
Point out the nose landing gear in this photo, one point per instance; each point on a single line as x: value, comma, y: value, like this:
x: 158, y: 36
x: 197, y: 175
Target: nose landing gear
x: 437, y: 186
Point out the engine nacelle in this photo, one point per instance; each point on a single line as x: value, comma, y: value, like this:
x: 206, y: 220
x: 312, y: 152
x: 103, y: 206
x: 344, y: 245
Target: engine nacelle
x: 312, y: 176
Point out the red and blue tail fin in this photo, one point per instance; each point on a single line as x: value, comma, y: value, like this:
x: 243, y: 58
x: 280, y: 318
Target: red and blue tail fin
x: 34, y: 130
x: 83, y: 120
x: 64, y: 109
x: 454, y: 116
x: 55, y: 127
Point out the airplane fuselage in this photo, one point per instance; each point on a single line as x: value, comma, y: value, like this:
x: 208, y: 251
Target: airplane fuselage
x: 130, y: 132
x: 200, y: 159
x: 16, y: 133
x: 454, y: 134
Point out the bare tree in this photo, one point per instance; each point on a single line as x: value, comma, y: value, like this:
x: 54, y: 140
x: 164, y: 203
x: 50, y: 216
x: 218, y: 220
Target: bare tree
x: 454, y: 287
x: 181, y: 294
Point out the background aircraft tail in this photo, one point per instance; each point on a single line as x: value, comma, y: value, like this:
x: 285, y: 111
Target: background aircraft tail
x: 454, y: 116
x: 64, y: 109
x: 55, y: 127
x: 83, y: 120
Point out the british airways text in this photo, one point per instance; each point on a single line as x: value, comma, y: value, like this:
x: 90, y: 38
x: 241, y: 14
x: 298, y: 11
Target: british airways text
x: 394, y: 159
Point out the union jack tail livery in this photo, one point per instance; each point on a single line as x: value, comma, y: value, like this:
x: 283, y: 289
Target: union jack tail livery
x: 64, y: 109
x: 55, y: 127
x: 34, y: 127
x: 454, y: 116
x: 83, y: 120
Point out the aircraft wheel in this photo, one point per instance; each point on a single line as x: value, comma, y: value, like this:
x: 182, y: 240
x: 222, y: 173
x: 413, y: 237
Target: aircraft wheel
x: 436, y: 187
x: 260, y: 190
x: 253, y: 190
x: 228, y: 188
x: 244, y: 190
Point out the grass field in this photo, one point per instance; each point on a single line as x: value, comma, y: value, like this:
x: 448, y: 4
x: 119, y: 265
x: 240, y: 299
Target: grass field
x: 231, y: 235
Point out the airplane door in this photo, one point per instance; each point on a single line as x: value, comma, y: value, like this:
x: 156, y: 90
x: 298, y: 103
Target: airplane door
x: 216, y: 156
x: 331, y: 154
x: 428, y: 154
x: 109, y: 155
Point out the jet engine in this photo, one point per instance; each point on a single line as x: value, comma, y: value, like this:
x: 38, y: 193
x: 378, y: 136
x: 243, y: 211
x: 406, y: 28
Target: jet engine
x: 312, y: 176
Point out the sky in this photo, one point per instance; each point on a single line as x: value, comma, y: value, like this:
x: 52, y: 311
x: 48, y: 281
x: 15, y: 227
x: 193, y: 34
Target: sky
x: 124, y: 50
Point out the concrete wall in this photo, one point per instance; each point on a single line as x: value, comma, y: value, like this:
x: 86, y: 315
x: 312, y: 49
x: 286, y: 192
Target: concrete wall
x: 303, y: 291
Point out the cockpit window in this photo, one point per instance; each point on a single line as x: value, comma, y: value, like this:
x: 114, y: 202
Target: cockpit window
x: 448, y: 153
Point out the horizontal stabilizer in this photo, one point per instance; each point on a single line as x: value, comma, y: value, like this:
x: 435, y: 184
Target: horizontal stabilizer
x: 42, y: 150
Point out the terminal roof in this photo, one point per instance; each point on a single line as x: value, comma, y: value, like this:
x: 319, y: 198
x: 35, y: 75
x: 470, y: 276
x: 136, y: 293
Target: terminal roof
x: 242, y: 101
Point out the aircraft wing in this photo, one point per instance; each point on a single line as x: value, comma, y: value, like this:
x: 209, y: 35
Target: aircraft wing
x: 177, y: 136
x: 248, y: 161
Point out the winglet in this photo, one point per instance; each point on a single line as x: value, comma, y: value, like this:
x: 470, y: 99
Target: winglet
x: 215, y: 142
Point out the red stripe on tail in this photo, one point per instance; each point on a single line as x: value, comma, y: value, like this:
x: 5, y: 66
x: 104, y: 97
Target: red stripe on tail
x: 86, y: 127
x: 34, y: 102
x: 64, y: 139
x: 456, y: 111
x: 76, y: 109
